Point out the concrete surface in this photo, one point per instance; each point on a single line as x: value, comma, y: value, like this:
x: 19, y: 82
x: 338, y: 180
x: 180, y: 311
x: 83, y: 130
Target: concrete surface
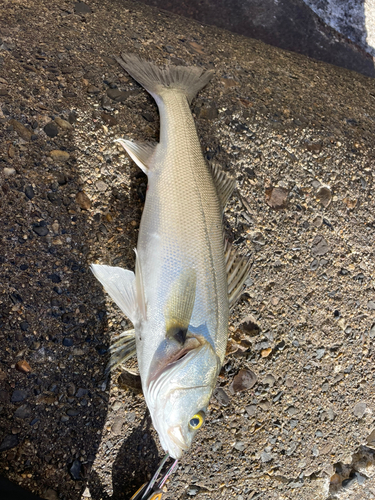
x: 299, y: 137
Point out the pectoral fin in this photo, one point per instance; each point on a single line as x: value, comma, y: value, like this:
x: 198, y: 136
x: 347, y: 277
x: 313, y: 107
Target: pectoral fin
x: 180, y: 305
x: 121, y: 285
x: 123, y: 349
x: 140, y: 153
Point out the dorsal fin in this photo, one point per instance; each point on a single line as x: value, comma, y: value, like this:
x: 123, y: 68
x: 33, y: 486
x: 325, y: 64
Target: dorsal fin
x: 237, y: 268
x: 180, y: 305
x: 140, y: 152
x: 224, y: 183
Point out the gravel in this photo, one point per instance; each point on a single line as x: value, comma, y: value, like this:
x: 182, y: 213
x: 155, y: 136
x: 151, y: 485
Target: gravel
x: 304, y: 333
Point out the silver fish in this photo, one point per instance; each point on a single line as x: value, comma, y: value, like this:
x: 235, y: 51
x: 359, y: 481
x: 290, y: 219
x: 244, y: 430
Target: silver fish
x: 185, y: 280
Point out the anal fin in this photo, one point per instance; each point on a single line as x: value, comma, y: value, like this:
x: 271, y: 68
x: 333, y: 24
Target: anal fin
x: 237, y: 268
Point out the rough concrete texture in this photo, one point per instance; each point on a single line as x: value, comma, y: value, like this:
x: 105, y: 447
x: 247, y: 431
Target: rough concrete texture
x: 355, y: 19
x: 298, y: 135
x: 327, y: 35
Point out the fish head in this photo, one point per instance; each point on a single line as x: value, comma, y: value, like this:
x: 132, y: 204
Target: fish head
x: 178, y: 392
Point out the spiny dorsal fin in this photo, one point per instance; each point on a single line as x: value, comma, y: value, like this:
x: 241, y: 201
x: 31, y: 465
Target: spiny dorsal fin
x: 224, y: 184
x: 180, y: 305
x: 140, y: 152
x: 237, y: 268
x: 122, y: 350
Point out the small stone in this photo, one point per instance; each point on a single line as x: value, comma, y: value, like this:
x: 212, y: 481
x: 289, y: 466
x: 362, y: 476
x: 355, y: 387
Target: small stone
x: 24, y: 325
x: 192, y: 490
x: 319, y: 246
x: 221, y: 396
x: 83, y: 200
x: 91, y: 89
x: 318, y: 221
x: 72, y: 413
x: 82, y: 8
x: 324, y: 195
x: 350, y: 202
x: 9, y: 442
x: 29, y: 192
x: 291, y: 410
x: 67, y: 342
x: 265, y: 405
x: 64, y: 124
x: 40, y: 230
x: 257, y: 238
x: 51, y: 129
x: 239, y: 445
x: 50, y: 495
x: 109, y: 119
x: 9, y: 171
x: 244, y: 380
x: 276, y: 198
x: 81, y: 392
x: 266, y: 352
x: 23, y: 366
x: 314, y: 147
x: 251, y: 410
x: 320, y: 353
x: 101, y: 186
x: 266, y: 457
x: 21, y: 130
x: 118, y: 95
x: 18, y: 395
x: 371, y: 440
x: 359, y: 409
x: 58, y: 155
x: 208, y: 113
x: 314, y: 265
x: 75, y: 470
x: 371, y: 305
x: 23, y: 411
x: 269, y: 380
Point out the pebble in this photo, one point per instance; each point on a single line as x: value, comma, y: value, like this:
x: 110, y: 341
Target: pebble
x: 324, y: 195
x: 9, y: 171
x: 276, y: 198
x: 23, y: 411
x: 239, y: 445
x: 83, y: 200
x: 9, y: 442
x: 192, y: 490
x: 208, y: 113
x: 266, y: 457
x: 40, y: 230
x: 101, y: 186
x: 269, y: 380
x: 359, y: 409
x: 251, y: 410
x: 109, y: 119
x: 371, y: 305
x: 50, y: 495
x: 18, y: 395
x: 21, y: 130
x: 319, y: 246
x: 72, y: 413
x: 23, y: 366
x: 244, y: 380
x: 221, y: 396
x: 64, y: 124
x: 82, y: 8
x: 58, y: 155
x: 67, y: 342
x: 257, y: 238
x: 75, y: 470
x: 29, y: 192
x: 118, y: 95
x: 51, y: 129
x: 91, y: 89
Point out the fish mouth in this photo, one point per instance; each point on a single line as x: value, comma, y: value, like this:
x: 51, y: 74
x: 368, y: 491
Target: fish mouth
x: 176, y: 436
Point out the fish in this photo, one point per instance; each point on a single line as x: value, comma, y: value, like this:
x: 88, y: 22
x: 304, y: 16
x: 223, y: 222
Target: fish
x: 187, y: 276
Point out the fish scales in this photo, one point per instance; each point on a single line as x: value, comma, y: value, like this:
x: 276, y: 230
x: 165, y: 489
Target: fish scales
x: 177, y: 299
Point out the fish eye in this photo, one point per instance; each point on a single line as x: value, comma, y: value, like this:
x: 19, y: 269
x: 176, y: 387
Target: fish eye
x: 197, y: 420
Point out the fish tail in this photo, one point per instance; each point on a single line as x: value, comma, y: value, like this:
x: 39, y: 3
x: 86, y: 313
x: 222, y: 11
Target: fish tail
x: 189, y: 79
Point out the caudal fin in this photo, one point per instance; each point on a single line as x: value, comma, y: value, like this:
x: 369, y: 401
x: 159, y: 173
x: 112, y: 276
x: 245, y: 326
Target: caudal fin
x: 189, y: 79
